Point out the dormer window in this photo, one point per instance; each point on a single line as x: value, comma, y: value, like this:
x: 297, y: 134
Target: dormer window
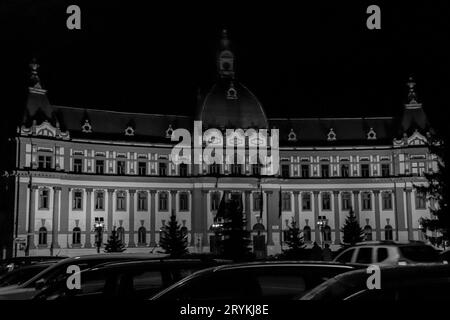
x: 86, y: 127
x: 232, y: 93
x: 169, y: 131
x: 129, y: 131
x: 292, y: 136
x: 371, y: 135
x: 331, y: 135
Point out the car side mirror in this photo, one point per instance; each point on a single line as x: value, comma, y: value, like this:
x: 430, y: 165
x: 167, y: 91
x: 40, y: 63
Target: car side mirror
x: 40, y: 284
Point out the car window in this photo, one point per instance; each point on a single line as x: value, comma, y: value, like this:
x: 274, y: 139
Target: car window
x: 281, y: 285
x: 419, y: 253
x: 178, y: 274
x: 346, y: 256
x: 382, y: 254
x: 148, y: 280
x: 364, y: 255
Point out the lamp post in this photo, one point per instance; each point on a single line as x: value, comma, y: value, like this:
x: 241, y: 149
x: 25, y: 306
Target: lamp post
x: 321, y: 225
x: 99, y: 228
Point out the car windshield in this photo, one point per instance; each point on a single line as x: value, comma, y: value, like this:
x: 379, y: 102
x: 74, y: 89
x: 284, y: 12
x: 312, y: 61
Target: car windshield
x: 419, y: 253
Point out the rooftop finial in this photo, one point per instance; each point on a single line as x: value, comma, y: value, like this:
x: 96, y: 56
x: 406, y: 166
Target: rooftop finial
x: 412, y: 96
x: 34, y: 76
x: 225, y: 42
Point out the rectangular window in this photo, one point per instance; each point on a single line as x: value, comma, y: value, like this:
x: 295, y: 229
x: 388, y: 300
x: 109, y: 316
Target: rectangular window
x: 346, y: 200
x: 142, y: 201
x: 121, y: 167
x: 345, y: 170
x: 326, y: 201
x: 306, y: 201
x: 184, y: 201
x: 163, y: 199
x: 142, y: 168
x: 214, y: 169
x: 387, y: 200
x: 44, y: 195
x: 121, y: 201
x: 325, y: 170
x: 257, y: 201
x: 215, y: 200
x: 162, y: 169
x: 99, y: 200
x: 45, y: 162
x: 420, y: 201
x: 256, y: 169
x: 77, y: 200
x: 365, y: 170
x: 183, y: 170
x: 385, y: 169
x: 305, y: 170
x: 77, y: 165
x: 285, y: 170
x: 366, y: 201
x: 235, y: 169
x: 286, y: 201
x: 99, y: 166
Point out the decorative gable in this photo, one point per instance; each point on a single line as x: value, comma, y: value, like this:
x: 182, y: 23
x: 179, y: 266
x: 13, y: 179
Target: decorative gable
x: 415, y: 139
x: 45, y: 129
x: 292, y: 136
x: 331, y: 135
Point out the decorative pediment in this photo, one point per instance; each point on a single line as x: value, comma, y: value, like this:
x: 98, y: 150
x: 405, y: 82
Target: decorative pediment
x: 129, y: 131
x: 292, y: 136
x: 415, y: 139
x: 86, y: 127
x: 371, y: 135
x: 44, y: 129
x: 331, y: 135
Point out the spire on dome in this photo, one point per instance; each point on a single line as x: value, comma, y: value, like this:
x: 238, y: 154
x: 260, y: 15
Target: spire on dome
x: 34, y: 75
x: 412, y: 95
x: 225, y: 57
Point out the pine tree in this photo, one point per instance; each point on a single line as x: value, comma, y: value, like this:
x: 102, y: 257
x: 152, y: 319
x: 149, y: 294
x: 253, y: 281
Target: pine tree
x: 353, y: 232
x: 438, y: 190
x: 114, y: 244
x: 294, y: 240
x: 173, y: 238
x: 236, y: 239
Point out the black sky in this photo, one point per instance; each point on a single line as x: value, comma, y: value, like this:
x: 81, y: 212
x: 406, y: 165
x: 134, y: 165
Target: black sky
x: 299, y: 59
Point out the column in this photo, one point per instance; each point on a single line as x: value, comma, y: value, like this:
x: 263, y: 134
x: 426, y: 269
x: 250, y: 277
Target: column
x: 87, y: 241
x: 152, y: 218
x: 204, y: 218
x: 270, y: 220
x: 131, y: 219
x: 337, y: 223
x: 64, y: 213
x: 376, y: 195
x: 356, y: 204
x: 196, y: 215
x: 408, y: 192
x: 399, y: 211
x: 109, y: 222
x: 316, y: 215
x: 173, y: 200
x: 296, y: 208
x: 55, y: 218
x: 248, y: 211
x: 31, y: 218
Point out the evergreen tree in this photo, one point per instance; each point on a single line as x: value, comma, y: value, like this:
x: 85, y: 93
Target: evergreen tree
x: 437, y: 190
x: 114, y: 244
x: 353, y: 233
x: 236, y: 238
x: 173, y: 238
x: 294, y: 240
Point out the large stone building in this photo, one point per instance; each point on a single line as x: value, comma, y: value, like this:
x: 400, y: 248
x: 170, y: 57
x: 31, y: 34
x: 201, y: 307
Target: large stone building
x: 76, y: 167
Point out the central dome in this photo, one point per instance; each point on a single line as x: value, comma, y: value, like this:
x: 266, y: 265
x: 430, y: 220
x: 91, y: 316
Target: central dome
x: 230, y: 104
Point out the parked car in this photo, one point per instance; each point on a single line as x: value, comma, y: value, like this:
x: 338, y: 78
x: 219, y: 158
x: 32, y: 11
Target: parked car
x: 53, y: 274
x: 17, y: 262
x: 420, y: 282
x: 445, y: 256
x: 389, y: 253
x: 23, y: 274
x: 127, y: 280
x: 254, y: 281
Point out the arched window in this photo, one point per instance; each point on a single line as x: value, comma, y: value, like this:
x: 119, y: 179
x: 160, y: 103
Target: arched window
x: 42, y: 236
x: 388, y: 232
x: 142, y: 235
x: 76, y: 235
x: 121, y: 234
x: 327, y: 234
x: 307, y: 233
x: 368, y: 233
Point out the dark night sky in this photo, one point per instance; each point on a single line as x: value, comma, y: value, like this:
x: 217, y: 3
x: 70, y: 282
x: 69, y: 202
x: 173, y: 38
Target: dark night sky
x: 300, y: 60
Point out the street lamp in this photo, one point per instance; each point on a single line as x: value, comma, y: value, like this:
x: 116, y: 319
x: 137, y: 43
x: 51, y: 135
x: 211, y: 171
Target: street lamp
x: 99, y: 228
x: 321, y: 225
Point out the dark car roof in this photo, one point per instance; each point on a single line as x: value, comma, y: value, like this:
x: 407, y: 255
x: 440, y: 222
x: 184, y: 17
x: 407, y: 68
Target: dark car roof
x: 93, y: 257
x: 147, y: 263
x: 389, y: 276
x: 391, y: 243
x: 289, y: 263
